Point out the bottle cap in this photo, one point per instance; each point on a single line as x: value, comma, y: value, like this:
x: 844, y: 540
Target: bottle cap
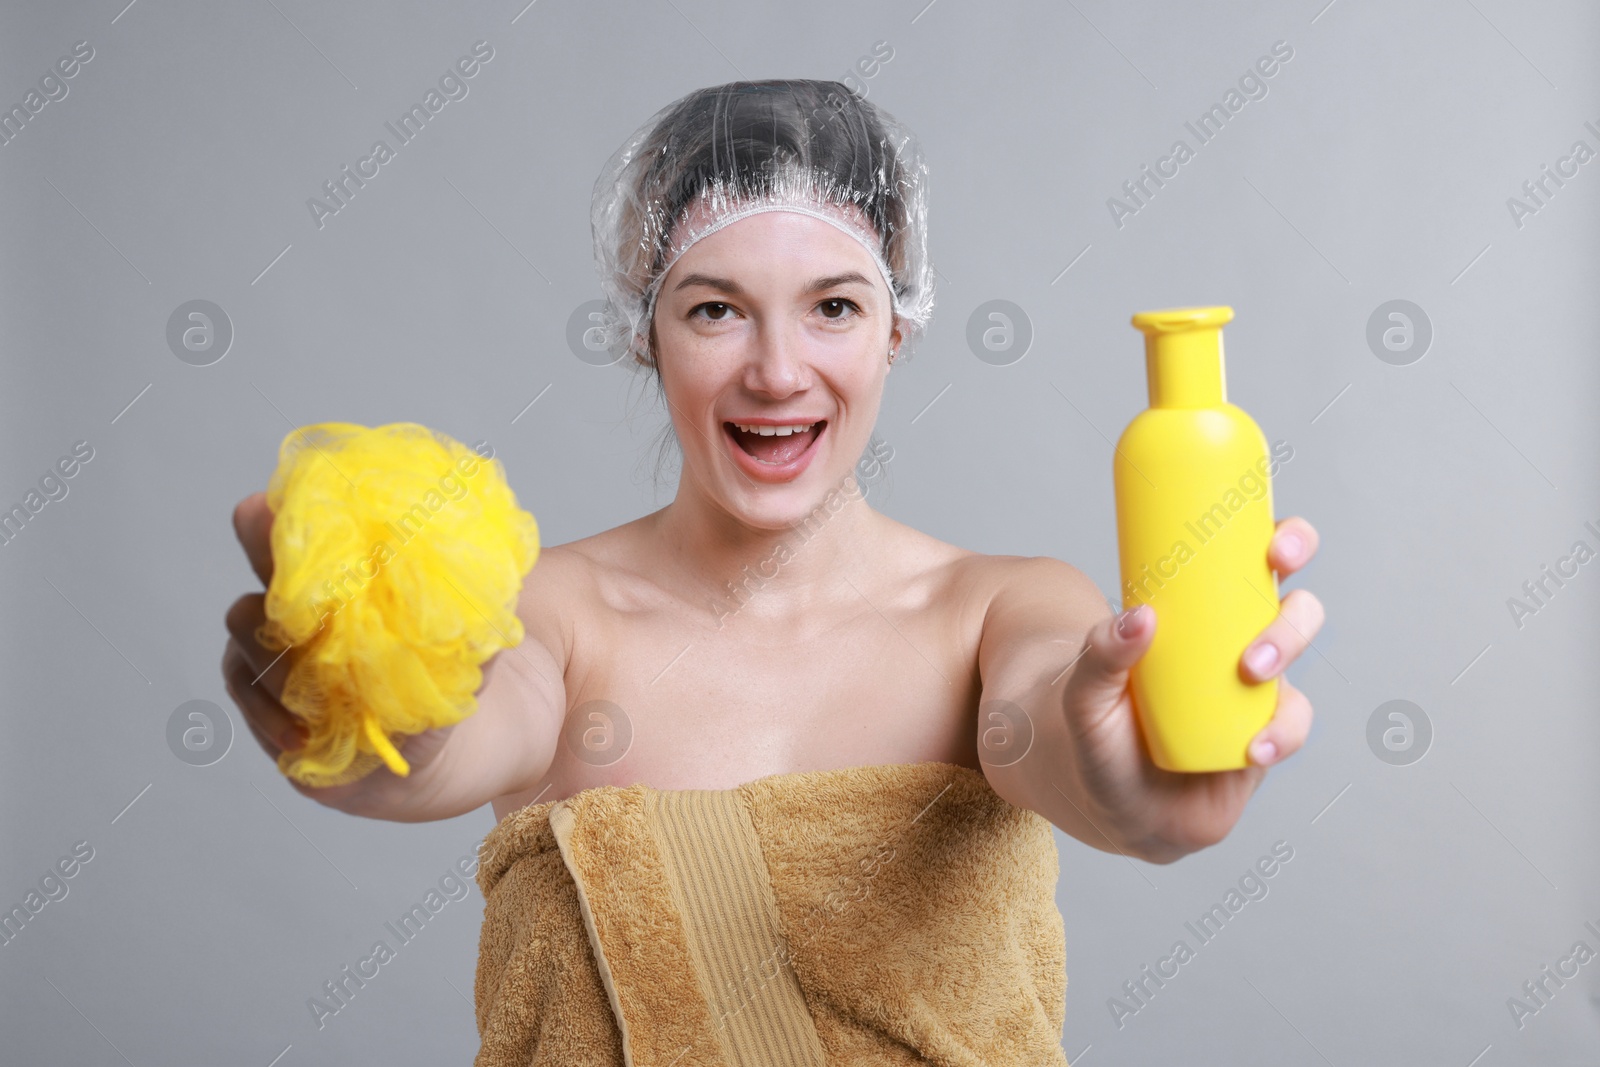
x: 1176, y: 320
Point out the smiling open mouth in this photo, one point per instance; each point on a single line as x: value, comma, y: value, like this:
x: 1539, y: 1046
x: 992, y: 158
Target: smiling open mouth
x: 779, y: 448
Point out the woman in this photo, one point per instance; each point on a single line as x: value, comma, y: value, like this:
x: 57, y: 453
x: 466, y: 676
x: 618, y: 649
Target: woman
x: 763, y: 249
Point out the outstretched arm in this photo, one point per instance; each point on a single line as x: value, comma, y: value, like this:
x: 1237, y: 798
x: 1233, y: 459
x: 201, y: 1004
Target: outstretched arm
x: 505, y: 746
x: 1054, y: 665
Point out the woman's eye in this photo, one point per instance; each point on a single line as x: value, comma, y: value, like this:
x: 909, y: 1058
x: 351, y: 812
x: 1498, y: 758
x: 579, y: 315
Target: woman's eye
x: 721, y: 308
x: 837, y: 304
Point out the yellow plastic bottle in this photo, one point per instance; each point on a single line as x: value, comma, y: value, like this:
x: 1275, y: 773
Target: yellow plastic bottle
x: 1194, y: 521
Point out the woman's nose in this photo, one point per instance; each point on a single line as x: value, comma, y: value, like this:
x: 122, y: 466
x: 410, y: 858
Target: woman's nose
x: 777, y: 364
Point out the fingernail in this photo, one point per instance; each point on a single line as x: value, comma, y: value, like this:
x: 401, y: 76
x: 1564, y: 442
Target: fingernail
x: 1292, y: 545
x: 1264, y: 751
x: 1262, y: 657
x: 1125, y: 622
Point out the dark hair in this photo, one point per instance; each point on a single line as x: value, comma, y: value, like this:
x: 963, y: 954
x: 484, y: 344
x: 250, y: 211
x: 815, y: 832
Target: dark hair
x: 743, y: 138
x: 757, y: 130
x: 759, y: 126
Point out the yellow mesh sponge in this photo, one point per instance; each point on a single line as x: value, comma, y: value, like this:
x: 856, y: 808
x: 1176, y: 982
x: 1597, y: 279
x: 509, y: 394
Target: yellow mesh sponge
x: 397, y: 555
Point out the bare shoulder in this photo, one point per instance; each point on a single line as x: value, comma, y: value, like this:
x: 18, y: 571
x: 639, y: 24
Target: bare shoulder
x: 553, y: 592
x: 935, y: 571
x: 1007, y: 584
x: 979, y: 579
x: 571, y: 579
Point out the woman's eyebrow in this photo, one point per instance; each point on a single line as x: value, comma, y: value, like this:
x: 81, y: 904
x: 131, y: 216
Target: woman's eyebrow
x: 733, y: 288
x: 832, y: 280
x: 726, y: 285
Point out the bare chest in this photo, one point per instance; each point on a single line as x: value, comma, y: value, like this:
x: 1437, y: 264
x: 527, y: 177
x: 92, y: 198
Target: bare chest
x: 657, y: 698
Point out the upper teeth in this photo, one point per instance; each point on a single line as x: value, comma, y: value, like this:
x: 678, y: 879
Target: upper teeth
x: 776, y: 431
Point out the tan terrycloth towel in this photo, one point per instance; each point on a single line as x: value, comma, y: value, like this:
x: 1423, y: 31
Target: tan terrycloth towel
x: 887, y: 914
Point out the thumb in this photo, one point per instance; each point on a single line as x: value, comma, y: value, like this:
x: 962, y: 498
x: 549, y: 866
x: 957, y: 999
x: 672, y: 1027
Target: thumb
x: 1113, y: 646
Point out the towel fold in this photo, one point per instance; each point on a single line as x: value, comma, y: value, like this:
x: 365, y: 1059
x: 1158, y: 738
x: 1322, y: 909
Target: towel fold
x: 886, y: 914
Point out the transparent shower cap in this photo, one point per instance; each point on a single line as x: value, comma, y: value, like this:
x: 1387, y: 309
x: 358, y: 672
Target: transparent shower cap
x: 720, y: 154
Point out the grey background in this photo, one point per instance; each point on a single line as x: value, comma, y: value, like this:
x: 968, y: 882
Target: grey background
x: 1420, y: 897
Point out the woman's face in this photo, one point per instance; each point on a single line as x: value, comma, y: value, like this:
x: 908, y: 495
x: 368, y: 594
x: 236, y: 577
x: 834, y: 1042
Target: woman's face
x: 778, y: 319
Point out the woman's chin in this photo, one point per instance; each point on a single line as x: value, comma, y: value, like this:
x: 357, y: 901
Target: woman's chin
x: 802, y: 502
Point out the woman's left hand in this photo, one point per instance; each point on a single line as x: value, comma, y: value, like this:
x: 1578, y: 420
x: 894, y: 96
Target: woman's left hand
x: 1162, y: 815
x: 1299, y: 618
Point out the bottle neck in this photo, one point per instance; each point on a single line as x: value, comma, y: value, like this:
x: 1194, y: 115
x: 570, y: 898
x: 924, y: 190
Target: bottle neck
x: 1185, y: 369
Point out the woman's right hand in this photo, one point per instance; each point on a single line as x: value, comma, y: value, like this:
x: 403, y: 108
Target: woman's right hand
x: 258, y: 695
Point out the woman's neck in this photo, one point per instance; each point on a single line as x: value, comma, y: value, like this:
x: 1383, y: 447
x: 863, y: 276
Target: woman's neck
x: 774, y: 575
